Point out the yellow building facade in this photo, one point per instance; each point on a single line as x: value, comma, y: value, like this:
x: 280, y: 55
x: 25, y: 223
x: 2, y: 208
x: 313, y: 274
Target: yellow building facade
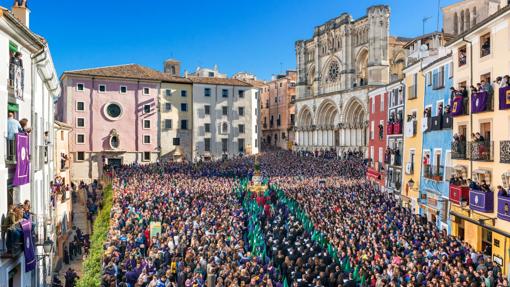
x: 413, y: 114
x: 176, y: 119
x: 482, y: 218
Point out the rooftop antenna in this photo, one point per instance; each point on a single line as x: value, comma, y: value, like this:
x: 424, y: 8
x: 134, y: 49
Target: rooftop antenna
x: 425, y: 19
x: 438, y: 14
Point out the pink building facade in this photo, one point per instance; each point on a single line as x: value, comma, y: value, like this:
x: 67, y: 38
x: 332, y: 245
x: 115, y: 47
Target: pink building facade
x: 114, y: 115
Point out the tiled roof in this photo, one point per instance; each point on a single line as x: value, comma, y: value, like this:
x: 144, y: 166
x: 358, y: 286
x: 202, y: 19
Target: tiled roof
x: 219, y: 81
x: 129, y: 71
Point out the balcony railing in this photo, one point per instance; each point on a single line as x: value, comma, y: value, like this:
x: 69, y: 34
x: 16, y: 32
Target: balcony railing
x: 394, y: 128
x: 459, y: 106
x: 434, y: 172
x: 10, y: 151
x: 481, y: 151
x: 409, y: 168
x: 396, y: 159
x: 459, y: 194
x: 410, y: 128
x: 459, y: 150
x: 504, y: 151
x: 504, y: 207
x: 481, y: 201
x: 481, y: 102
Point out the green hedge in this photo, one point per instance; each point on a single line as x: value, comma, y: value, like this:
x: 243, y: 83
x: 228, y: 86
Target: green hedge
x: 91, y: 276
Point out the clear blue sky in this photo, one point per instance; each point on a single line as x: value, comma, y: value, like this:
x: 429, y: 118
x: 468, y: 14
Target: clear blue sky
x: 256, y: 36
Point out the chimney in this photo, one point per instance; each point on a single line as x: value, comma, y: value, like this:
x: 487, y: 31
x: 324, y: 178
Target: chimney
x: 21, y: 11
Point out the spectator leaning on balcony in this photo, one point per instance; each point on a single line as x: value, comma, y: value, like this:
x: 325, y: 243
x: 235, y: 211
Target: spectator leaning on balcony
x: 13, y: 126
x: 502, y: 191
x: 24, y: 126
x: 485, y: 187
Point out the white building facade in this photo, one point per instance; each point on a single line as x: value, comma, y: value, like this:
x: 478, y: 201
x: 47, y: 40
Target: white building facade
x: 225, y: 118
x: 28, y: 86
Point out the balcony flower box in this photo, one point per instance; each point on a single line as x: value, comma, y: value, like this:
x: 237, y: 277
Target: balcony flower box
x: 504, y: 207
x: 459, y: 194
x: 481, y: 201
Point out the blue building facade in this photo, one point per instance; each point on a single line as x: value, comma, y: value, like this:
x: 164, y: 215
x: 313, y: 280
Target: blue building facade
x: 437, y: 138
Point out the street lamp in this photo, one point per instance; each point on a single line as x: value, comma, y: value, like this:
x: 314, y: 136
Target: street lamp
x: 410, y: 183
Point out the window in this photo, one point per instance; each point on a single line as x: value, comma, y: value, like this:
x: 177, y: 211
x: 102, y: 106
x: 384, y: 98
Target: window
x: 224, y: 145
x: 184, y: 93
x: 372, y: 107
x: 168, y: 92
x: 241, y: 129
x: 224, y: 93
x: 241, y: 111
x: 80, y: 138
x: 207, y: 92
x: 224, y: 128
x: 80, y: 156
x: 146, y: 124
x: 485, y: 78
x: 146, y: 156
x: 241, y: 94
x: 168, y: 124
x: 256, y: 143
x: 224, y: 111
x: 80, y: 122
x: 184, y: 107
x: 146, y: 109
x: 80, y: 87
x: 102, y: 88
x: 382, y: 103
x: 207, y: 110
x: 146, y: 139
x: 438, y: 79
x: 146, y: 91
x: 207, y: 144
x: 462, y: 56
x: 123, y: 89
x: 211, y: 74
x: 168, y: 107
x: 372, y: 130
x: 176, y: 141
x: 485, y: 45
x: 279, y: 120
x: 450, y: 70
x: 207, y: 128
x: 292, y: 119
x: 429, y: 78
x: 184, y: 124
x: 240, y: 143
x: 80, y: 106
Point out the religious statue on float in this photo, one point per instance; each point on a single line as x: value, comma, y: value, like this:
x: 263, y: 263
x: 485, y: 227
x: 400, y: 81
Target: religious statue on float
x: 257, y: 185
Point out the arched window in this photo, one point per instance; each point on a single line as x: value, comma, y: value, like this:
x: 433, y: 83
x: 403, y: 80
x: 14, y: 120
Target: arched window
x: 456, y: 23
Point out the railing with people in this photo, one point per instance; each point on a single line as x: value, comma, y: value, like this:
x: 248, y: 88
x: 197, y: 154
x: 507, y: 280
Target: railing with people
x: 459, y: 149
x: 481, y: 150
x: 504, y: 151
x: 434, y: 172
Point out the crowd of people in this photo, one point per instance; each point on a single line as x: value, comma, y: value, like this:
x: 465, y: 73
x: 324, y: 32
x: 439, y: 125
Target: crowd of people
x: 322, y: 224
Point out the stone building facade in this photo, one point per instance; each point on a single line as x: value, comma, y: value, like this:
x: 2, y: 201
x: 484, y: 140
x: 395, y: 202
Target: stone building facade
x: 461, y: 16
x: 336, y: 68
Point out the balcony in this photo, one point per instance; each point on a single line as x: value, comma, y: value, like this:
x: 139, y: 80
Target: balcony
x: 396, y: 160
x: 434, y: 172
x: 504, y: 151
x: 481, y: 102
x: 409, y: 168
x: 481, y: 201
x: 447, y: 122
x: 410, y: 128
x: 459, y: 194
x: 481, y: 151
x: 504, y: 207
x: 394, y: 128
x: 459, y: 150
x: 436, y: 123
x: 459, y: 107
x: 10, y: 151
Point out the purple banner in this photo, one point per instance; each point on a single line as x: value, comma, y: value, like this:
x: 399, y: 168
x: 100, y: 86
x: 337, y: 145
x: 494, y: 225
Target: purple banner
x: 481, y: 201
x: 504, y: 207
x: 504, y: 98
x: 457, y: 107
x: 28, y: 245
x: 479, y: 102
x: 22, y: 175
